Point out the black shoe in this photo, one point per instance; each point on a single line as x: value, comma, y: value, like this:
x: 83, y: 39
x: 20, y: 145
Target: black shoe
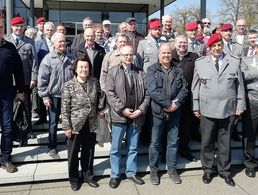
x: 92, y: 183
x: 250, y: 172
x: 113, y: 183
x: 228, y: 180
x: 75, y: 186
x: 189, y: 157
x: 235, y: 136
x: 136, y: 179
x: 207, y: 178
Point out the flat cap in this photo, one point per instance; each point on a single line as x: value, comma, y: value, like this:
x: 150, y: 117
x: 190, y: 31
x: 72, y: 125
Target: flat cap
x: 17, y: 20
x: 41, y: 19
x: 129, y: 19
x: 216, y: 37
x: 191, y: 26
x: 226, y: 26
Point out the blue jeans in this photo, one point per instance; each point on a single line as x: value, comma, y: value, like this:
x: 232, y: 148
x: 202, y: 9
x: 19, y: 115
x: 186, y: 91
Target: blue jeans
x: 54, y: 113
x: 118, y: 132
x: 158, y: 127
x: 6, y: 121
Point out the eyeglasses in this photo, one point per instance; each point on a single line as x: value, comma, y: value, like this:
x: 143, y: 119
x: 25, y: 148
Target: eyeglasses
x: 127, y: 55
x: 206, y: 23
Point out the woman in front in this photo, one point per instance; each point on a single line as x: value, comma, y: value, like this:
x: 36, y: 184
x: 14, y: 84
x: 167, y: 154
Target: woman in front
x: 82, y: 101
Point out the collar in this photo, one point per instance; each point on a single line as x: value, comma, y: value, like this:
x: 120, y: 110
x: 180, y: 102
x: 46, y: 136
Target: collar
x: 221, y: 57
x: 15, y: 36
x: 126, y: 68
x: 92, y: 47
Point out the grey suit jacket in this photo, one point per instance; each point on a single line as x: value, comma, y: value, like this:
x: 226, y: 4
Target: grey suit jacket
x: 218, y: 95
x: 199, y: 48
x: 27, y: 52
x: 147, y: 53
x: 236, y: 49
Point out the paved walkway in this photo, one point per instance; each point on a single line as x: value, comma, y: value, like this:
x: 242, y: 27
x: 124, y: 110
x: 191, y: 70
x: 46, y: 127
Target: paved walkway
x: 191, y: 185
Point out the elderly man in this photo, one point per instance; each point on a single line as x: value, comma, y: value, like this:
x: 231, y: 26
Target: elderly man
x: 194, y: 45
x: 112, y: 58
x: 230, y: 47
x: 218, y: 95
x: 147, y: 52
x: 250, y: 50
x: 11, y: 68
x: 240, y: 34
x: 26, y: 49
x: 188, y: 122
x: 79, y: 38
x: 128, y: 99
x: 54, y: 70
x: 167, y: 88
x: 93, y: 50
x: 249, y: 67
x: 134, y: 36
x: 167, y: 30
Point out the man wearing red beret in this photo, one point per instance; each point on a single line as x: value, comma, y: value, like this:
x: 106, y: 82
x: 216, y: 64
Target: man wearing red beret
x: 27, y: 51
x: 218, y: 95
x: 194, y: 45
x: 10, y: 68
x: 147, y: 52
x: 231, y: 47
x: 40, y: 26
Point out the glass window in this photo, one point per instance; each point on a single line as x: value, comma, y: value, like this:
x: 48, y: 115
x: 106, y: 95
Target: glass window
x: 118, y: 17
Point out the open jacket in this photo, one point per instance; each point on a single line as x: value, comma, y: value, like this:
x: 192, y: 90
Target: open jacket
x: 79, y: 105
x: 157, y: 85
x: 116, y: 94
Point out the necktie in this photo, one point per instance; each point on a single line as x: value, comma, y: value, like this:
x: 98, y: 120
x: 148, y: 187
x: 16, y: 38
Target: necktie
x: 192, y: 46
x: 229, y: 47
x: 251, y: 52
x: 217, y: 64
x: 16, y: 42
x: 128, y: 76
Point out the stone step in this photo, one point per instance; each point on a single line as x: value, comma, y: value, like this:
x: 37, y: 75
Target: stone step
x: 45, y: 171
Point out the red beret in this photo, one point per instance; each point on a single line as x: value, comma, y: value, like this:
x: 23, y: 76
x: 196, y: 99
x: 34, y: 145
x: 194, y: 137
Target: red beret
x: 226, y: 26
x: 41, y: 19
x: 154, y: 23
x: 191, y: 26
x: 216, y: 37
x: 17, y: 20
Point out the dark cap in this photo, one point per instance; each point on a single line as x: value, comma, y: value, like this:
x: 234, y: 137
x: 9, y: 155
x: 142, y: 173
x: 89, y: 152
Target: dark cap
x: 130, y: 19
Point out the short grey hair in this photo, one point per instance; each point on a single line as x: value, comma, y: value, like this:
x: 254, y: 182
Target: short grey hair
x: 49, y: 24
x: 55, y: 36
x: 122, y: 35
x: 29, y: 31
x: 180, y: 36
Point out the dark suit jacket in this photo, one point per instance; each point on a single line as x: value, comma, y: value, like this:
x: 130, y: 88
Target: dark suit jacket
x: 99, y: 53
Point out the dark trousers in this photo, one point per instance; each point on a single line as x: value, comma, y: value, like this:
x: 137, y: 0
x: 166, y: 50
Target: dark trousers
x: 188, y: 129
x: 212, y: 129
x: 85, y: 141
x: 6, y: 119
x: 42, y: 110
x: 35, y: 100
x: 249, y: 134
x: 54, y: 113
x: 28, y: 104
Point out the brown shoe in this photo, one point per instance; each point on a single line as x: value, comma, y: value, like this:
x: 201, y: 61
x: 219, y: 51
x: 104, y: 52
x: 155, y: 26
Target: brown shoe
x: 10, y: 168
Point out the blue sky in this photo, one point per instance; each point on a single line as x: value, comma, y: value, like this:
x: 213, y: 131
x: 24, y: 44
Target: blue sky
x: 212, y: 8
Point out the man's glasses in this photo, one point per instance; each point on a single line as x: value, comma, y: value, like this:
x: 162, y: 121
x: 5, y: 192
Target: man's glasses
x: 206, y: 23
x: 127, y: 55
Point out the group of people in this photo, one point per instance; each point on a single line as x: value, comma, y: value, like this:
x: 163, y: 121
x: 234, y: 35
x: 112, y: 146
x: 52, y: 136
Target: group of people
x: 193, y: 85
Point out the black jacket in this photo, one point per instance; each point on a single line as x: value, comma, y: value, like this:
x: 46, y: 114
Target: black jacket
x: 10, y: 65
x: 99, y: 53
x: 158, y: 84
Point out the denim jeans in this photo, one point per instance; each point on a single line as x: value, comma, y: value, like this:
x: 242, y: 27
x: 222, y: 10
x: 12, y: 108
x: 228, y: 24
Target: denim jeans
x: 158, y: 126
x: 118, y: 132
x: 54, y: 113
x: 6, y: 119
